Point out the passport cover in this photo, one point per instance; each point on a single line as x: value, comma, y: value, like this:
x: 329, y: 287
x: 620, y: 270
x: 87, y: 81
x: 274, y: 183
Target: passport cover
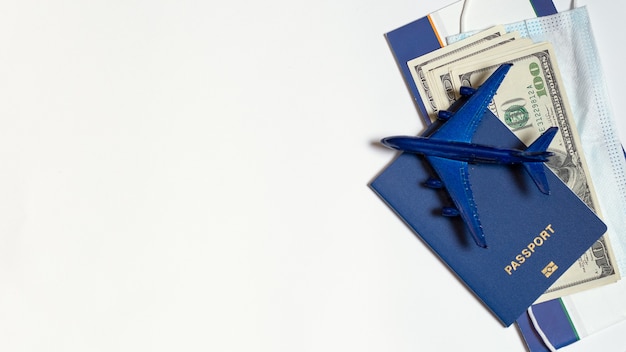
x: 532, y: 238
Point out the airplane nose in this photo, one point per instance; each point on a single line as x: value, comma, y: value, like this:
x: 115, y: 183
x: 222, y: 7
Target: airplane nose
x: 387, y: 142
x: 391, y: 142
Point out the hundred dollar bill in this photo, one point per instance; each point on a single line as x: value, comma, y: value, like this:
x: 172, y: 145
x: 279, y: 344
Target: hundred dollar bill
x: 415, y: 65
x: 438, y: 71
x: 531, y: 99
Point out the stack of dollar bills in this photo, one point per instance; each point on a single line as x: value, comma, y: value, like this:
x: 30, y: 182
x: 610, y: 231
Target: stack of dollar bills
x: 529, y: 101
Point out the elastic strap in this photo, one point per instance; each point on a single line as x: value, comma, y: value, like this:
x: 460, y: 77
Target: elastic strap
x: 573, y: 5
x: 463, y: 15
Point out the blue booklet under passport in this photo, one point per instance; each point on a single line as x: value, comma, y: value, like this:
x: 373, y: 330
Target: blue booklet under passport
x: 533, y: 238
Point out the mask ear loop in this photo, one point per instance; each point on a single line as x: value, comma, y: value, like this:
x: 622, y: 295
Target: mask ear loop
x: 463, y: 13
x: 573, y: 5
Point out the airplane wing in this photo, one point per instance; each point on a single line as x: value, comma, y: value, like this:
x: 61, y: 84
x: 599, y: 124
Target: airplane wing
x: 462, y: 124
x: 455, y: 176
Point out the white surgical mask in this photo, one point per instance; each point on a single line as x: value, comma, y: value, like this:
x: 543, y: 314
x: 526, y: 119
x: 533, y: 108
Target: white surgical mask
x: 571, y: 36
x: 574, y: 45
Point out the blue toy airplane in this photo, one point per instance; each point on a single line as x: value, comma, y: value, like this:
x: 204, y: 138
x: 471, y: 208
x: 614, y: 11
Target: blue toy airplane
x: 449, y: 150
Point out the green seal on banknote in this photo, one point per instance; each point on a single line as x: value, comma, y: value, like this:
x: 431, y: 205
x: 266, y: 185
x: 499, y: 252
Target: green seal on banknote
x: 515, y: 116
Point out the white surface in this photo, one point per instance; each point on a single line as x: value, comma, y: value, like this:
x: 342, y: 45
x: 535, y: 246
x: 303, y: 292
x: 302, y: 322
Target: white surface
x: 183, y: 175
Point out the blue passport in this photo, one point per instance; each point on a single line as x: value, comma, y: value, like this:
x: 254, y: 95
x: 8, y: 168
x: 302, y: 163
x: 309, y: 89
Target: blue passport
x: 533, y: 238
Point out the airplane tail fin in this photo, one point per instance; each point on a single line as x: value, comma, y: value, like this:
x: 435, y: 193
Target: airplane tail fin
x: 536, y: 170
x: 542, y: 142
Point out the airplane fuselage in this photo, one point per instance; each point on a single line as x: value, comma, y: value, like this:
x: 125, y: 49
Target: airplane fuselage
x: 469, y: 152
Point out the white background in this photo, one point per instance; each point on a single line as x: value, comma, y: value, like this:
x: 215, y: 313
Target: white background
x: 192, y: 176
